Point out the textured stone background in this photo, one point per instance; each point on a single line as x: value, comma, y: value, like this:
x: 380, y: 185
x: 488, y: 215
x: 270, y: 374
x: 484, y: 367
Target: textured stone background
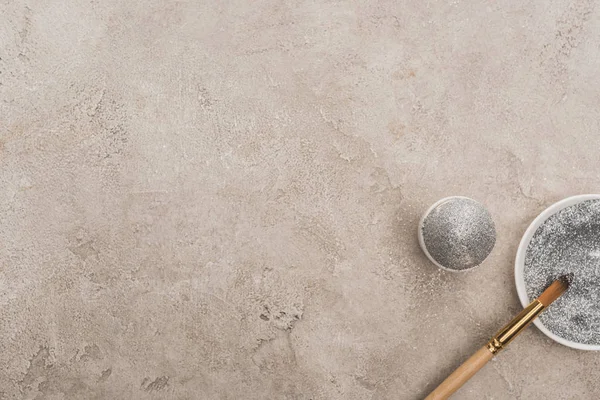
x: 219, y: 199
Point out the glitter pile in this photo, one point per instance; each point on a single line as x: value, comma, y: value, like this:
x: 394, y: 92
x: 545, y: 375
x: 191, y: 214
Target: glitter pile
x: 568, y: 241
x: 459, y: 233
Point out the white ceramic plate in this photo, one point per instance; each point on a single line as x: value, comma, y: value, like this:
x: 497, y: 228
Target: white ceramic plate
x: 520, y: 264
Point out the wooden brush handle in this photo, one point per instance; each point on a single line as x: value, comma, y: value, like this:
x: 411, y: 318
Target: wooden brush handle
x: 462, y: 374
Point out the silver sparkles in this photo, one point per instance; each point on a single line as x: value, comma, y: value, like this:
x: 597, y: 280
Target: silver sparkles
x: 569, y: 242
x: 459, y: 233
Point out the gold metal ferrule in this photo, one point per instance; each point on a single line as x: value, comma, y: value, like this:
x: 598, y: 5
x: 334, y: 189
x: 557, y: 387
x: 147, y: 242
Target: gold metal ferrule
x: 514, y: 327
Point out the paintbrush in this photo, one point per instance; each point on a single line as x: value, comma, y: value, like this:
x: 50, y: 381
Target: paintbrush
x: 500, y: 340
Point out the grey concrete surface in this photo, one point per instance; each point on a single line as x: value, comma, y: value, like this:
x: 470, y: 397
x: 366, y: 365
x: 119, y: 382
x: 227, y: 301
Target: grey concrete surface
x: 219, y: 199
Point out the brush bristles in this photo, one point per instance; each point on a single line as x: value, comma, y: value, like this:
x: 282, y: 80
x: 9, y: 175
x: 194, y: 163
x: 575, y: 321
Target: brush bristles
x: 557, y: 288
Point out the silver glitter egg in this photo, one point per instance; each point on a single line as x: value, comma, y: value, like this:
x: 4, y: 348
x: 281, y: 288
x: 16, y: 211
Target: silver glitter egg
x: 457, y: 233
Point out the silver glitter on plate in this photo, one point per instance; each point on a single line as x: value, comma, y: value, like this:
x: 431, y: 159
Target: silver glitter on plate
x: 568, y: 242
x: 458, y: 233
